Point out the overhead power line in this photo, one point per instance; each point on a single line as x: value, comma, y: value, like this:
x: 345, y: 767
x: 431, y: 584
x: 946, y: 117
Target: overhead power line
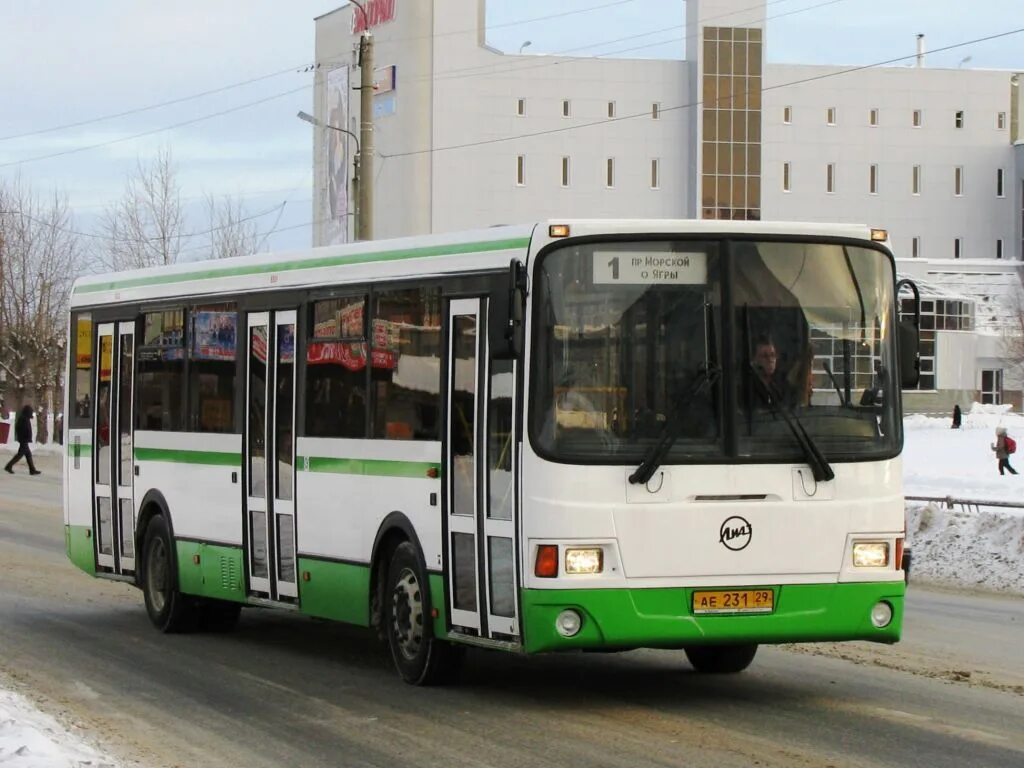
x: 181, y: 124
x: 190, y: 97
x: 186, y: 236
x: 483, y: 70
x: 647, y: 113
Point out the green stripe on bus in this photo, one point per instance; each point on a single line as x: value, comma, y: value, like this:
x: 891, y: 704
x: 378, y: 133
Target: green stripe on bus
x: 375, y: 467
x: 81, y: 449
x: 189, y: 457
x: 313, y: 263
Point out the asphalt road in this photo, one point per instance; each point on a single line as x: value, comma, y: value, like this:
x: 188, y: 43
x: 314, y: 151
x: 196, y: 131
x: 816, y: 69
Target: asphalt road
x: 286, y: 690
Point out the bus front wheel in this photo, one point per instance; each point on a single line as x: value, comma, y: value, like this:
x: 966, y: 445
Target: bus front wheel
x: 721, y: 659
x: 421, y: 659
x: 168, y: 608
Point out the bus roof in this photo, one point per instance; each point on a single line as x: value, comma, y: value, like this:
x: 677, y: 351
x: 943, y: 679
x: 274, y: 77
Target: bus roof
x: 409, y: 257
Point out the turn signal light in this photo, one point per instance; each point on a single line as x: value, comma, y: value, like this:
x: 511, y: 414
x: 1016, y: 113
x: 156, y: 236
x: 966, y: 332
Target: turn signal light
x: 546, y: 566
x: 899, y: 554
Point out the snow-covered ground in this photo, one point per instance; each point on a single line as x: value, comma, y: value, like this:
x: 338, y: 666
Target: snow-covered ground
x: 981, y: 549
x: 31, y: 739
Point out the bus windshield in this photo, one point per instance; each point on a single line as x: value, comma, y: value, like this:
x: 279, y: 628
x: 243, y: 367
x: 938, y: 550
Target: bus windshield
x: 715, y: 350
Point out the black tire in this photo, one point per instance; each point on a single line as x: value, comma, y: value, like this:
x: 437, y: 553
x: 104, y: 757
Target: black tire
x: 721, y: 659
x: 168, y: 608
x: 218, y: 615
x: 421, y: 659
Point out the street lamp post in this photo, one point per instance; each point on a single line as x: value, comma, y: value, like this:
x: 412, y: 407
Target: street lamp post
x: 356, y: 167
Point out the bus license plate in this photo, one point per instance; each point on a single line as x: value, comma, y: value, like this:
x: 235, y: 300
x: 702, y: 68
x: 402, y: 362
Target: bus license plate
x: 734, y: 601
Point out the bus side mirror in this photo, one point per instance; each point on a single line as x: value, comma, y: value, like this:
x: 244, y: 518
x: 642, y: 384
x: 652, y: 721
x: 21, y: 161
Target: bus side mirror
x: 908, y: 339
x: 508, y: 312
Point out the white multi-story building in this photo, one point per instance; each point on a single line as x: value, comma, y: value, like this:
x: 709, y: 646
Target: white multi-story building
x: 468, y: 136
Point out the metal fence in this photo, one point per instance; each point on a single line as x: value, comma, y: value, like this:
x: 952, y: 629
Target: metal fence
x: 967, y: 505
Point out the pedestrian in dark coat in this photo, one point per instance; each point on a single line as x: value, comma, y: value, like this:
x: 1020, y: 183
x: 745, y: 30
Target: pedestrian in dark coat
x: 957, y: 417
x: 23, y: 434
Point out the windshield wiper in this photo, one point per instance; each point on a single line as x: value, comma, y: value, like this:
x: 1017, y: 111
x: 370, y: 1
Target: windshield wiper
x: 707, y: 376
x: 816, y: 460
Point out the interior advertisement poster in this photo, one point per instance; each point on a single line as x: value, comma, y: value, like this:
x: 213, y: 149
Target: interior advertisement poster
x: 213, y: 336
x: 337, y: 151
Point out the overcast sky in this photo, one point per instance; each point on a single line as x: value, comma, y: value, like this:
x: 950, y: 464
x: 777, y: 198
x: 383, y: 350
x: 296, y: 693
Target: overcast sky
x: 66, y: 61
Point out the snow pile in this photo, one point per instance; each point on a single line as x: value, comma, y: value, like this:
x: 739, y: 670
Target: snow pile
x: 31, y: 739
x: 980, y: 548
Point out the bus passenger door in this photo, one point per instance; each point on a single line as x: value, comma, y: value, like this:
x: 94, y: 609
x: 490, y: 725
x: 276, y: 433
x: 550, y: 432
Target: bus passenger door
x: 479, y: 480
x: 113, y: 456
x: 270, y: 454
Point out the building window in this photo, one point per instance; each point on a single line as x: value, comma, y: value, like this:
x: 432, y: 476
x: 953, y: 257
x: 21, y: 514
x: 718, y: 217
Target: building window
x: 1001, y: 121
x: 611, y: 109
x: 873, y: 179
x: 958, y: 247
x: 521, y: 170
x: 992, y: 387
x: 656, y: 111
x: 786, y: 177
x: 787, y: 115
x: 1000, y: 192
x: 566, y: 178
x: 958, y: 119
x: 212, y: 369
x: 830, y: 178
x: 335, y: 385
x: 999, y: 248
x: 941, y: 315
x: 958, y: 181
x: 566, y: 108
x: 917, y: 118
x: 609, y: 180
x: 873, y: 117
x: 521, y: 107
x: 915, y: 247
x: 915, y: 184
x: 655, y: 173
x: 830, y: 116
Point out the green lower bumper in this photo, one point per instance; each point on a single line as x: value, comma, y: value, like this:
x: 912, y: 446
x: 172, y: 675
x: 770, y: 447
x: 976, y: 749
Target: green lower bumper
x: 661, y: 618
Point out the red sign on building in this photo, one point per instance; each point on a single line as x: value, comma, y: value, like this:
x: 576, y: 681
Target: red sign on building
x: 377, y: 12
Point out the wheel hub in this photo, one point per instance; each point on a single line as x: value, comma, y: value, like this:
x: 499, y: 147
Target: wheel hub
x: 407, y: 614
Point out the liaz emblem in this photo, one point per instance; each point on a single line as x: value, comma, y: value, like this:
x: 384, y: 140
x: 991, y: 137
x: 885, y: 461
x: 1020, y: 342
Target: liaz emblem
x: 735, y: 533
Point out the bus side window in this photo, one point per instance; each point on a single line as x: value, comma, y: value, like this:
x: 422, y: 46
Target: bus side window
x: 212, y: 368
x: 160, y: 383
x: 336, y: 358
x: 406, y: 357
x: 80, y: 397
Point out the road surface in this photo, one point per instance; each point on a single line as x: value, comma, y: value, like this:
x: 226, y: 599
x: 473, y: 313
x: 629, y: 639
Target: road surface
x: 287, y: 690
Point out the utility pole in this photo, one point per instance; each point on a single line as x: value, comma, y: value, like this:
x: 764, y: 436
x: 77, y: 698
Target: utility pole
x: 364, y: 219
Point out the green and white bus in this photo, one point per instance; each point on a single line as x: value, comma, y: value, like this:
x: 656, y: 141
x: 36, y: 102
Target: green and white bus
x: 594, y: 435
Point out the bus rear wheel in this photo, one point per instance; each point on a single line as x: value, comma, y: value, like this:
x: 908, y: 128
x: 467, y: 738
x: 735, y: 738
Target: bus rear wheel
x: 721, y: 659
x: 421, y: 659
x: 168, y: 608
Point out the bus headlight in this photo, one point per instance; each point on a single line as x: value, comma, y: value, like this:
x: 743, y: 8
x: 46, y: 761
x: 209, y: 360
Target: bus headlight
x: 589, y: 560
x: 870, y: 554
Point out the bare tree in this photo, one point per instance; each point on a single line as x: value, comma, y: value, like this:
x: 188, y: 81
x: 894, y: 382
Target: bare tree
x: 39, y: 258
x: 146, y: 226
x: 232, y: 233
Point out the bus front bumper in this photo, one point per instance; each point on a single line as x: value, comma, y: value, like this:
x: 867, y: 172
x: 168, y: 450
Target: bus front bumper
x: 662, y: 618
